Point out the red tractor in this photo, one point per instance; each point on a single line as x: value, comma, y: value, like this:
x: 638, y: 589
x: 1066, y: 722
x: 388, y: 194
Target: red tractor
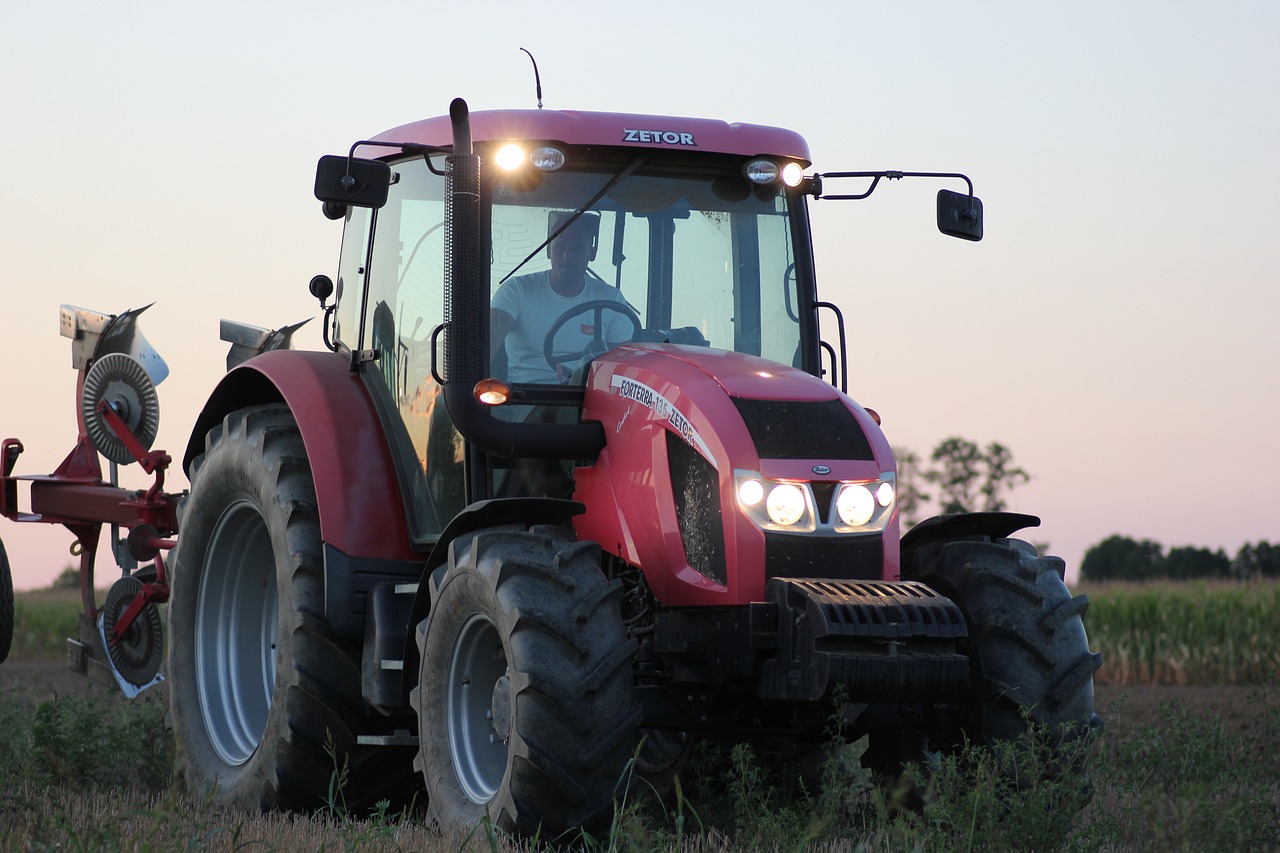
x: 518, y: 558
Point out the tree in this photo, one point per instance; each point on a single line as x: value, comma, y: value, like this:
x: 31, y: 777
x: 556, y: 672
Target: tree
x: 911, y: 498
x: 1122, y: 558
x: 1257, y: 561
x: 1187, y: 562
x: 69, y: 579
x: 969, y: 478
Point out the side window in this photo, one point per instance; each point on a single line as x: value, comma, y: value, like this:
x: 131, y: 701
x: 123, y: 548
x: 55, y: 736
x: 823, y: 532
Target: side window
x: 406, y: 303
x: 355, y: 244
x: 779, y: 311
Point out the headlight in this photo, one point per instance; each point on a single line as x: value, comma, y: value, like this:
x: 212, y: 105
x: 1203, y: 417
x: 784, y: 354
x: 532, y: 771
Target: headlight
x: 774, y: 504
x: 785, y: 504
x: 855, y: 504
x: 762, y: 171
x: 864, y: 507
x: 547, y: 158
x: 510, y: 156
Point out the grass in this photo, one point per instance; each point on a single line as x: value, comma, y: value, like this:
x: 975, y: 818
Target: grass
x: 94, y: 774
x: 43, y: 620
x: 80, y: 777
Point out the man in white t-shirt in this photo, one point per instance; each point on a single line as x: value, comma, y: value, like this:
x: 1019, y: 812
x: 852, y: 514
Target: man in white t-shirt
x: 524, y: 308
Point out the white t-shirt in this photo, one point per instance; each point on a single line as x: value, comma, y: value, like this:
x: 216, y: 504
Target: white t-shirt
x: 535, y: 305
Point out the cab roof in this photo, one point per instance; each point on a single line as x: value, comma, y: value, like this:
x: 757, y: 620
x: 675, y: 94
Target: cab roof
x: 570, y: 127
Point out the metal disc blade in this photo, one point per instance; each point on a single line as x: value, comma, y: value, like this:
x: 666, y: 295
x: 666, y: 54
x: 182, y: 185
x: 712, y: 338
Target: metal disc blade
x: 137, y: 654
x: 126, y: 387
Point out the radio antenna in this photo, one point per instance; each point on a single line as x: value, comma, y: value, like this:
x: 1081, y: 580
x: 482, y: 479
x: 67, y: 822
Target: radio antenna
x: 537, y: 80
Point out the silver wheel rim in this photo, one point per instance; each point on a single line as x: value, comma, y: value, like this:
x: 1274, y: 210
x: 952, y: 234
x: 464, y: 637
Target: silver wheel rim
x: 479, y: 756
x: 237, y: 621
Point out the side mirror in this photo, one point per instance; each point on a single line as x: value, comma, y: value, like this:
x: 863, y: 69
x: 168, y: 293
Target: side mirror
x: 960, y: 215
x: 352, y: 182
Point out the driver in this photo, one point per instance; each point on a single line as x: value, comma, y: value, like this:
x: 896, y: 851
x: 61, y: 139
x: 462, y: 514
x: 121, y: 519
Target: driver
x: 523, y: 309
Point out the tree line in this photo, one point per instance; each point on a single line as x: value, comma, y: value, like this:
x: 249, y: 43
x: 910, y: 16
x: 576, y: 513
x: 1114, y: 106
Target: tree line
x: 1126, y: 559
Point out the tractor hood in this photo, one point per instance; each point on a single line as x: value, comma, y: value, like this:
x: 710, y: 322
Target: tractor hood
x: 736, y: 410
x: 684, y: 425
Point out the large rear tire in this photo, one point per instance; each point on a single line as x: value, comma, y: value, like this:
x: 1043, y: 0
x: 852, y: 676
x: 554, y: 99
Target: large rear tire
x: 1029, y: 653
x: 525, y: 700
x: 260, y: 692
x: 6, y: 605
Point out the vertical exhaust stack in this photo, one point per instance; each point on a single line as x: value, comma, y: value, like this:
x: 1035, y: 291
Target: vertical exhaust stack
x: 466, y: 357
x: 463, y: 353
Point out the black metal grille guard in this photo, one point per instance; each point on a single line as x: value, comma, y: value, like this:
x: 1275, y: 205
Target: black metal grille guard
x: 887, y: 642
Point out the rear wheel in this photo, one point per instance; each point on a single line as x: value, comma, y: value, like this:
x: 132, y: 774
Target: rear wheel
x: 1027, y: 646
x: 6, y: 605
x: 260, y: 693
x: 525, y: 702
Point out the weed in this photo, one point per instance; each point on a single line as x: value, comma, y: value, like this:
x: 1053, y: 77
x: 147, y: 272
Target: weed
x: 93, y: 743
x: 1019, y: 797
x: 335, y: 807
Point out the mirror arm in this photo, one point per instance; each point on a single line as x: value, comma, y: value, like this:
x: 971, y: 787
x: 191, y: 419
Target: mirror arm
x: 816, y: 181
x: 407, y: 148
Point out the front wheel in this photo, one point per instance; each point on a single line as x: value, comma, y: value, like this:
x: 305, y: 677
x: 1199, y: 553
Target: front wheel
x: 525, y: 702
x: 1029, y: 653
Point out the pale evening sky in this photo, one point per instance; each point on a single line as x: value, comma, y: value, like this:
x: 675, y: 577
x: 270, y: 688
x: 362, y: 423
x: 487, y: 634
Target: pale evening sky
x: 1116, y: 328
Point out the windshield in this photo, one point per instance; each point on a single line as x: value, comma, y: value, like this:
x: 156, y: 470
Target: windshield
x: 704, y: 260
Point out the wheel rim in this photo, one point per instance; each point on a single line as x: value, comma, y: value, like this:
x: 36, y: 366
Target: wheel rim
x: 236, y: 625
x: 477, y: 665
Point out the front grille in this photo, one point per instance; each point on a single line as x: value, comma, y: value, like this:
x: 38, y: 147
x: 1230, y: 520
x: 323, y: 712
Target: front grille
x: 839, y: 557
x: 786, y: 429
x: 886, y: 642
x: 696, y: 487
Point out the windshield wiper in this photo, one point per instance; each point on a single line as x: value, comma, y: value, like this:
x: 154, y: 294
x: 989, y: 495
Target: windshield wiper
x: 577, y: 214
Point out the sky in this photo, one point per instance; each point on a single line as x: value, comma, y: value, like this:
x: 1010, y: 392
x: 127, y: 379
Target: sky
x: 1115, y: 328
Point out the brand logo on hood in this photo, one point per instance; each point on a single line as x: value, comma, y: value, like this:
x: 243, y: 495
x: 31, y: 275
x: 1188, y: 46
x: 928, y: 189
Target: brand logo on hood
x: 665, y: 137
x: 820, y: 470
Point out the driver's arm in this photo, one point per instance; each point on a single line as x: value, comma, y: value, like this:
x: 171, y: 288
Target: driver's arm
x: 500, y: 325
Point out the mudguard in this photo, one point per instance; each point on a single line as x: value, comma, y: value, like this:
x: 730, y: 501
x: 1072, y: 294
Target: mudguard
x: 359, y: 500
x: 960, y: 525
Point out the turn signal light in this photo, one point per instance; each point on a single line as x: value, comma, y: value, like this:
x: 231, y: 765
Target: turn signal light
x: 492, y: 392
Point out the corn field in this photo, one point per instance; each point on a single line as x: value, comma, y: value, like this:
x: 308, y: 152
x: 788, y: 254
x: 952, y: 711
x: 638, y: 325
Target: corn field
x: 1185, y: 632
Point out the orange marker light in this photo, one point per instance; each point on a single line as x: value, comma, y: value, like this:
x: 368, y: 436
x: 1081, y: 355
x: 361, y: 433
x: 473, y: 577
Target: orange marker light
x: 492, y: 392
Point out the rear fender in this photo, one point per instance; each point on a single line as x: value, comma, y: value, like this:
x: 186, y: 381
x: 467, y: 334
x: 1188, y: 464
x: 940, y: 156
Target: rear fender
x: 360, y: 505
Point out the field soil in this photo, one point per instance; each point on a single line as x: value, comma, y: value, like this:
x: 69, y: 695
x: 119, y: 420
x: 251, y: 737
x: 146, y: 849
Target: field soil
x: 1239, y: 709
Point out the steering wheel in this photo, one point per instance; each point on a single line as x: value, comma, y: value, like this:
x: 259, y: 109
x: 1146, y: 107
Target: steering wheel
x: 597, y: 344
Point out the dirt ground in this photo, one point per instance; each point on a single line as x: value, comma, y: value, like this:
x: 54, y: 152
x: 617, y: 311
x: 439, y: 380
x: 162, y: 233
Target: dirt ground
x: 1240, y: 709
x: 44, y: 680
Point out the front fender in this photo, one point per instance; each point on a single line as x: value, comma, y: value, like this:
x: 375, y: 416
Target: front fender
x: 358, y: 495
x: 959, y: 525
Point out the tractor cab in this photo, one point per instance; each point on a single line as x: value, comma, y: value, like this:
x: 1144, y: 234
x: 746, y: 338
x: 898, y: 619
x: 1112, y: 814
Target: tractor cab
x: 697, y: 237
